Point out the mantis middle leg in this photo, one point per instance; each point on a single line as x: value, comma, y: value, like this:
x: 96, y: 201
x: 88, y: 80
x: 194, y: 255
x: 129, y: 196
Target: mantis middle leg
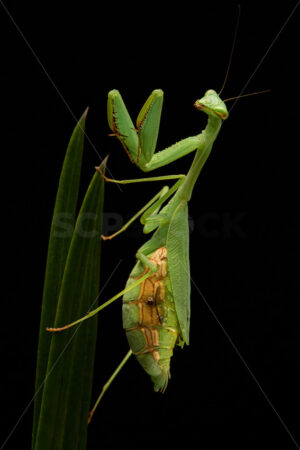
x: 150, y: 217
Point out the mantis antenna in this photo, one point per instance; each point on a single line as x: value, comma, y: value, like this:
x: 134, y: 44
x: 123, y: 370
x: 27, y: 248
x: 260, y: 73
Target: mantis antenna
x: 229, y: 65
x: 232, y: 50
x: 246, y: 95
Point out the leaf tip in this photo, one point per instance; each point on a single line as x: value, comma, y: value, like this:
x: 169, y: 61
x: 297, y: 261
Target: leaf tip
x: 83, y: 117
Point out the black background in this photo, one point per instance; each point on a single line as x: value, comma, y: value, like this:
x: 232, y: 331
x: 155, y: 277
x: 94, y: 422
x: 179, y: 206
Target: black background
x: 244, y: 211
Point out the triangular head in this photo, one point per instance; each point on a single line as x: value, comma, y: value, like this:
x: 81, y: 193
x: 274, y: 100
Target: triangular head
x: 212, y: 105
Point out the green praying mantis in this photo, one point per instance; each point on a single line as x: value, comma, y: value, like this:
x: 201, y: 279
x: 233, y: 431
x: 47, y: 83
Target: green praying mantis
x: 156, y: 299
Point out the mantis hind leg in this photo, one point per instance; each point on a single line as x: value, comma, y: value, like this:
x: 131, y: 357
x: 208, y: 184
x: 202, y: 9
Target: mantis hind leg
x: 152, y: 269
x: 108, y: 383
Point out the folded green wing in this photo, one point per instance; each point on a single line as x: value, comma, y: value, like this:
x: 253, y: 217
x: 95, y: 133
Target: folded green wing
x: 179, y: 266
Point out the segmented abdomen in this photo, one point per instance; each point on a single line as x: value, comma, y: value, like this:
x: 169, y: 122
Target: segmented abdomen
x: 150, y: 319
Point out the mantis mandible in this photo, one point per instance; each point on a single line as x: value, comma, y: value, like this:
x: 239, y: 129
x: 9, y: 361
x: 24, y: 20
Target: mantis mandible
x: 156, y: 299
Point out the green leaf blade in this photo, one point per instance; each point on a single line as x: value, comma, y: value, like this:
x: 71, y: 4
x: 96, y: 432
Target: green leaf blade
x: 67, y: 391
x: 59, y: 243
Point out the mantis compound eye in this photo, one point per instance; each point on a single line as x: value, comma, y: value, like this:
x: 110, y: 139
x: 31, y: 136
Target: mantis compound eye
x: 198, y: 105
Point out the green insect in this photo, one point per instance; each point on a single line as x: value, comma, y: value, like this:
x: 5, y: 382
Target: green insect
x: 156, y: 299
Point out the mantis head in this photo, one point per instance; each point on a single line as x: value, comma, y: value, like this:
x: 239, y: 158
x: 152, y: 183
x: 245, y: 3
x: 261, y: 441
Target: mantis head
x: 212, y: 105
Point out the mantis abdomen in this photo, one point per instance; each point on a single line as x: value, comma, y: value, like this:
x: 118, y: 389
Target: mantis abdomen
x: 150, y: 319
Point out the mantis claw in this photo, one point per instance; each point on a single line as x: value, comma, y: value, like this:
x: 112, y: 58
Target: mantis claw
x: 139, y: 142
x: 106, y: 238
x: 54, y: 330
x: 98, y: 168
x: 102, y: 167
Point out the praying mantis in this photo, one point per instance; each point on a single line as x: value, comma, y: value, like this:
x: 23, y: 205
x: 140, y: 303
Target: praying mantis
x: 156, y: 299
